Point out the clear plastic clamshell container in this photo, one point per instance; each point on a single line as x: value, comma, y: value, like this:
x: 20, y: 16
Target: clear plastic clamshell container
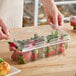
x: 13, y: 71
x: 38, y: 47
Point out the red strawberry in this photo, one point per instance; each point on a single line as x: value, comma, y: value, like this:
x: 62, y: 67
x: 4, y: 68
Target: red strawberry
x: 50, y: 51
x: 61, y: 49
x: 34, y: 54
x: 18, y: 56
x: 73, y: 23
x: 11, y: 44
x: 27, y: 56
x: 14, y: 56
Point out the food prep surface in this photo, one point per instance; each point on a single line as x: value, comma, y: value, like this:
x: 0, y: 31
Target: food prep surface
x: 59, y: 65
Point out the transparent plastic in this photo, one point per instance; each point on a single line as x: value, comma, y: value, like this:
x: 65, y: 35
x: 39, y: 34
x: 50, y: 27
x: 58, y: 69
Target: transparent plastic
x: 13, y: 71
x: 39, y: 47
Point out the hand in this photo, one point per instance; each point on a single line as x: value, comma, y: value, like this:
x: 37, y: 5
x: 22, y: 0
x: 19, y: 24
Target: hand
x: 54, y: 17
x: 4, y: 32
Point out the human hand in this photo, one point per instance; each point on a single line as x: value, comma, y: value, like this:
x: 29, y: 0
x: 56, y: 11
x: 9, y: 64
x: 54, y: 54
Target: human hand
x: 4, y: 32
x: 54, y: 17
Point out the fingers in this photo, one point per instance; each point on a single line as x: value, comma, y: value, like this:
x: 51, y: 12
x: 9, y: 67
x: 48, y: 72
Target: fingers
x: 4, y: 28
x: 2, y: 35
x: 49, y: 18
x: 49, y: 21
x: 56, y: 20
x: 60, y: 19
x: 4, y: 32
x: 54, y: 17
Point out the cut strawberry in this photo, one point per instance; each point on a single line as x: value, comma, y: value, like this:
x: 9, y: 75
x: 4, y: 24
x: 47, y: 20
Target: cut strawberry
x: 27, y: 56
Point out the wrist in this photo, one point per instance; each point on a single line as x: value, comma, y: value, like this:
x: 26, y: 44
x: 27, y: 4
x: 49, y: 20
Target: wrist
x: 47, y: 2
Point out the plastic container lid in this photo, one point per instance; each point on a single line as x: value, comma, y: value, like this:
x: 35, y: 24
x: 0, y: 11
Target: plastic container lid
x: 52, y: 41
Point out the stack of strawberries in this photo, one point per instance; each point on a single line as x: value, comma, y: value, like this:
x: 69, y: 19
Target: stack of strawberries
x: 23, y: 57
